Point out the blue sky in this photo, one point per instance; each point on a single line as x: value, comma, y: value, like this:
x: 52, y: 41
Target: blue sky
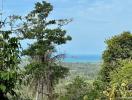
x: 94, y: 21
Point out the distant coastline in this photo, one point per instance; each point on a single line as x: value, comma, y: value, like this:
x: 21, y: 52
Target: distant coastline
x: 82, y: 58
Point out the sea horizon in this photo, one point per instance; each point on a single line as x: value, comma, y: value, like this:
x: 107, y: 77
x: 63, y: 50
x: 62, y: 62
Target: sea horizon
x: 92, y: 58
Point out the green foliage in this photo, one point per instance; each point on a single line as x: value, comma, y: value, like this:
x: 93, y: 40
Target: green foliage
x: 44, y: 71
x: 76, y: 90
x: 119, y: 47
x: 9, y: 60
x: 123, y: 74
x: 87, y: 72
x: 37, y: 25
x: 121, y: 80
x: 37, y: 71
x: 96, y: 91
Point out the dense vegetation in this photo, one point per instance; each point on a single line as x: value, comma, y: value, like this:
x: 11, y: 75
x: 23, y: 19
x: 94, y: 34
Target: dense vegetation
x: 10, y: 73
x: 43, y: 76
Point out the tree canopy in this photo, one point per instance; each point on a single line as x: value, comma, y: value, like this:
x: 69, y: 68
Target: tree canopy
x: 119, y: 47
x: 44, y: 70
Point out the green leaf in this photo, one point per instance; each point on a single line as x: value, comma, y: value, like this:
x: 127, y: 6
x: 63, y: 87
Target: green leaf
x: 2, y: 87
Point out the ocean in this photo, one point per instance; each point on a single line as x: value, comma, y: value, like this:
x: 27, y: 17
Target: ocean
x: 82, y: 58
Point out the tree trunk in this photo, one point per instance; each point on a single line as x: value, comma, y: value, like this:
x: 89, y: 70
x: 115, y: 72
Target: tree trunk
x: 37, y: 92
x: 50, y: 97
x: 42, y: 89
x: 50, y: 93
x: 37, y: 95
x: 50, y: 87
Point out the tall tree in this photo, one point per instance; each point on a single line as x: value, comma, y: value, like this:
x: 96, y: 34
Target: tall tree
x: 44, y: 70
x: 9, y: 57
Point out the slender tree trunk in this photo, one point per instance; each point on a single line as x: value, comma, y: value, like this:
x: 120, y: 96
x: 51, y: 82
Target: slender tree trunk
x: 36, y: 95
x: 37, y: 92
x: 50, y: 95
x: 42, y: 89
x: 50, y: 87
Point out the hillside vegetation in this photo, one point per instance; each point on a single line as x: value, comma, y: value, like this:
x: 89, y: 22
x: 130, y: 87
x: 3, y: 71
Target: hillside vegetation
x: 86, y: 70
x: 43, y: 75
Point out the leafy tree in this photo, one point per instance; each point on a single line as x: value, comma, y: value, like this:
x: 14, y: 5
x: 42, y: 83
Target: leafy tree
x: 96, y: 91
x: 76, y: 90
x: 9, y: 57
x: 122, y: 74
x: 119, y: 47
x: 121, y: 81
x: 44, y: 69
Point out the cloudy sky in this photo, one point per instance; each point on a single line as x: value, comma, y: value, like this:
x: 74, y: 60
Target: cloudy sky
x: 94, y: 21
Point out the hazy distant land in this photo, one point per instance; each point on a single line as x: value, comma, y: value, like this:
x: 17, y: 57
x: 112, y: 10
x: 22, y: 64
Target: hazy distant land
x: 86, y: 70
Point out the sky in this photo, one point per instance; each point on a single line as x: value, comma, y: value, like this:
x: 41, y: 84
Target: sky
x: 94, y: 21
